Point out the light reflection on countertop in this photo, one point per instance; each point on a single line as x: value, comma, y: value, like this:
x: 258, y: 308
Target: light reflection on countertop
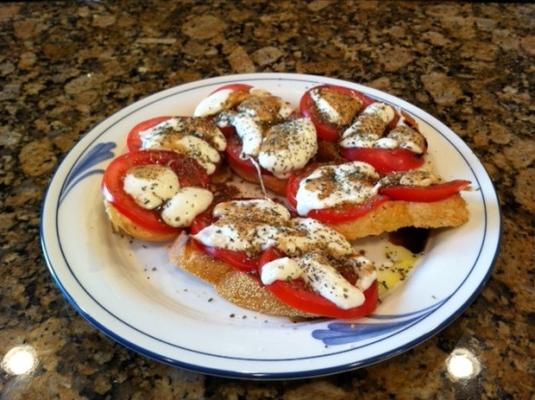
x: 20, y: 360
x: 462, y: 364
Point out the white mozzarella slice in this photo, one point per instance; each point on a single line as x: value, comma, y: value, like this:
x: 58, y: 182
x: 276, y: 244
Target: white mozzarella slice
x: 344, y: 186
x: 322, y: 278
x: 288, y: 147
x: 223, y: 236
x: 280, y: 269
x: 386, y: 143
x: 250, y: 133
x: 329, y: 283
x: 150, y: 185
x: 185, y: 205
x: 323, y: 236
x: 327, y: 110
x: 212, y: 104
x: 198, y: 149
x: 384, y: 111
x: 265, y: 208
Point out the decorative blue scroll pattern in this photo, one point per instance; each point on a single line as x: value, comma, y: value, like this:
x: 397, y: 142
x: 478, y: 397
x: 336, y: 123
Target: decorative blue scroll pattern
x: 344, y: 332
x: 82, y: 169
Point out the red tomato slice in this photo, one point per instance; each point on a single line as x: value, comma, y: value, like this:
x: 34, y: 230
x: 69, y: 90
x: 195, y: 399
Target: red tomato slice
x: 297, y: 295
x: 384, y: 160
x: 234, y: 86
x: 237, y: 259
x: 327, y: 131
x: 133, y: 141
x: 189, y: 173
x: 233, y: 151
x: 331, y: 215
x: 201, y: 221
x: 337, y: 215
x: 228, y: 131
x: 427, y: 194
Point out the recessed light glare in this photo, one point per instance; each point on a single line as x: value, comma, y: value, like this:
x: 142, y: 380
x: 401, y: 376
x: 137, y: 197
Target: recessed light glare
x: 462, y: 364
x: 20, y: 360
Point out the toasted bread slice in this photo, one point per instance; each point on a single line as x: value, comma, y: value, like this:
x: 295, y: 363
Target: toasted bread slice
x: 247, y: 292
x: 122, y: 224
x: 237, y: 287
x: 393, y: 215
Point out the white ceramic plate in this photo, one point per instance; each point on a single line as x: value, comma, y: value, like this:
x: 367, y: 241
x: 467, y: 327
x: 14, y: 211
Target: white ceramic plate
x: 129, y: 291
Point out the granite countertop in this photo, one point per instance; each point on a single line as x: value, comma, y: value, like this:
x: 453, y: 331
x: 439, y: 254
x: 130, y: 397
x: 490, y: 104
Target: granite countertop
x: 66, y: 66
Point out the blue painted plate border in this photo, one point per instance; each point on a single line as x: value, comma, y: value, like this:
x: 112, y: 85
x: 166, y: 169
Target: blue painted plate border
x: 260, y: 375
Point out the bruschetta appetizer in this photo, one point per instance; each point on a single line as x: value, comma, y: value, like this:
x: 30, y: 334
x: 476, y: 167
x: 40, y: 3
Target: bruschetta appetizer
x: 275, y: 264
x: 196, y: 137
x: 356, y: 201
x: 366, y: 130
x: 263, y: 137
x: 153, y: 195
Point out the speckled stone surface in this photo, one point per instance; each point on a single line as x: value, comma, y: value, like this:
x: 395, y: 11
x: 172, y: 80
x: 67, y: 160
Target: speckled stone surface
x: 66, y: 66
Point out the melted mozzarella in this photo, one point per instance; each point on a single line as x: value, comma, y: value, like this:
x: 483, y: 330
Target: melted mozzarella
x: 185, y: 205
x: 329, y: 283
x: 418, y: 178
x: 212, y: 104
x: 285, y: 110
x: 360, y: 140
x: 183, y: 135
x: 408, y: 138
x: 382, y: 110
x: 359, y: 134
x: 385, y: 143
x: 328, y: 111
x: 262, y: 106
x: 365, y: 270
x: 316, y: 236
x: 150, y: 185
x: 257, y: 209
x: 231, y: 235
x: 202, y: 152
x: 224, y: 237
x: 182, y: 126
x: 411, y: 146
x: 280, y: 269
x: 245, y: 225
x: 288, y: 147
x: 331, y: 185
x: 250, y: 133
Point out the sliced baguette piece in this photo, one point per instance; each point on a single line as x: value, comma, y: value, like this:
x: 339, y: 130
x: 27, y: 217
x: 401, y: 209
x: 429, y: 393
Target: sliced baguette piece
x: 393, y: 215
x: 237, y: 287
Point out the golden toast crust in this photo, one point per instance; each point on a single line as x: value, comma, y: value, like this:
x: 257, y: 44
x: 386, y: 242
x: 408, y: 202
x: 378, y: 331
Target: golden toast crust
x: 123, y: 224
x: 393, y: 215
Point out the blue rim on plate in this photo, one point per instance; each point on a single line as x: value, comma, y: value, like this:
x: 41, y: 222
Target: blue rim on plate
x: 77, y: 172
